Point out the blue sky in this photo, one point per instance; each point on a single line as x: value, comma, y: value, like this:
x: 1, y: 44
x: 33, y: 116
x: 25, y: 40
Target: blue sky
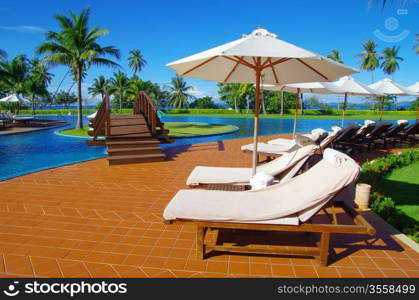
x: 168, y: 30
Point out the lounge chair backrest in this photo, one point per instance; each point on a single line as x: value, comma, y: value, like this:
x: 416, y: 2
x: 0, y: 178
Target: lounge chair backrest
x: 393, y: 131
x: 329, y: 139
x: 363, y: 131
x: 287, y: 160
x: 412, y: 129
x: 346, y: 134
x: 379, y: 130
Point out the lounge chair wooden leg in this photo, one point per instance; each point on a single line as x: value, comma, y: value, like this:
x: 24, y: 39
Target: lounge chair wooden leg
x: 200, y: 246
x: 324, y: 248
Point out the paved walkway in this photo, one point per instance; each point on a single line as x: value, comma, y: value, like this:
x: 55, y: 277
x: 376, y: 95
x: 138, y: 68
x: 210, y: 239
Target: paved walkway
x: 92, y: 220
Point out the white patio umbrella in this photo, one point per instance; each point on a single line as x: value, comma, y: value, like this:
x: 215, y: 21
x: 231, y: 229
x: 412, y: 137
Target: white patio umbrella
x: 414, y: 87
x: 309, y: 87
x: 389, y: 87
x: 259, y: 55
x: 14, y: 98
x: 352, y: 87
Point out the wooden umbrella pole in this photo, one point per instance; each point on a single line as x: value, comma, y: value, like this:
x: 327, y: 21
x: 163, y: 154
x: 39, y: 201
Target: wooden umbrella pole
x: 256, y: 121
x: 297, y: 100
x: 381, y: 108
x: 344, y: 108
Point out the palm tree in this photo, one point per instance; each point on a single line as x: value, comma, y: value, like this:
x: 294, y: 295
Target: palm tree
x: 416, y: 47
x: 14, y: 74
x: 76, y: 46
x: 178, y: 92
x: 390, y: 63
x: 38, y: 81
x: 369, y: 57
x: 136, y: 61
x: 336, y: 56
x: 118, y: 86
x: 3, y: 54
x: 100, y: 86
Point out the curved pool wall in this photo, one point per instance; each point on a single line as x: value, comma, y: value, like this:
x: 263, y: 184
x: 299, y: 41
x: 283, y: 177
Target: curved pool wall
x: 29, y: 152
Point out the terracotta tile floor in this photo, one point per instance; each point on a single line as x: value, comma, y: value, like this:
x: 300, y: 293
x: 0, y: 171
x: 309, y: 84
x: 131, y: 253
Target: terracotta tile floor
x: 92, y: 220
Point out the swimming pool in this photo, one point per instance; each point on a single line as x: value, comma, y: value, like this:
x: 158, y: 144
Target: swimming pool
x: 29, y: 152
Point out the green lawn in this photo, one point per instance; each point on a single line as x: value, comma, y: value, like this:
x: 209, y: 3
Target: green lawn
x: 177, y: 129
x: 403, y: 186
x: 76, y: 132
x: 182, y: 129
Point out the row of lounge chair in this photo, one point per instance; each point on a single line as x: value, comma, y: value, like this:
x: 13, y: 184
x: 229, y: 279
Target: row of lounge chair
x: 7, y: 119
x: 289, y: 204
x: 371, y: 136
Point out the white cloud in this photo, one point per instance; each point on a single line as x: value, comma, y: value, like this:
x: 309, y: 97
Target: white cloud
x: 24, y: 29
x: 194, y: 91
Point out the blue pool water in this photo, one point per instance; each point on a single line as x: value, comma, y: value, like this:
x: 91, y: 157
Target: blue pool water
x: 29, y: 152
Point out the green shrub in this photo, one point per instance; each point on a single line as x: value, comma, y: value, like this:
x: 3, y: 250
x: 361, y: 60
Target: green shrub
x: 375, y: 171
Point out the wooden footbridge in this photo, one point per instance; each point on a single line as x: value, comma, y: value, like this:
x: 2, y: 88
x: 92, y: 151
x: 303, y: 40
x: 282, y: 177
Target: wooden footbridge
x: 130, y: 138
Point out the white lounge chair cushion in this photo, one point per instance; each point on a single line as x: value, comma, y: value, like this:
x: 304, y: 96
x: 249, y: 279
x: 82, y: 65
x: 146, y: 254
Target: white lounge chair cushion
x: 368, y: 122
x: 214, y: 175
x: 299, y: 198
x: 402, y: 122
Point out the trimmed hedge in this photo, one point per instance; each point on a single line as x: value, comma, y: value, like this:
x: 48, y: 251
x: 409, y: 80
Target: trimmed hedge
x: 373, y: 173
x: 72, y: 111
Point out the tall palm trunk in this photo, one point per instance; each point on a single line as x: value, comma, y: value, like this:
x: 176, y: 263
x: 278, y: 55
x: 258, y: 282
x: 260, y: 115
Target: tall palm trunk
x: 282, y: 103
x: 235, y: 104
x: 302, y: 105
x: 372, y: 76
x: 263, y: 105
x: 120, y: 102
x: 33, y: 104
x: 79, y: 123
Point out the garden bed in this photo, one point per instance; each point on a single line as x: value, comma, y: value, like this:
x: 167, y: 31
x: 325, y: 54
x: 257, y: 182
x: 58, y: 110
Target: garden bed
x: 395, y: 180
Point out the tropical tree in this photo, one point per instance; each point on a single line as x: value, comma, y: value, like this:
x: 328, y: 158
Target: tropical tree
x: 136, y: 85
x: 38, y: 81
x: 336, y: 56
x: 204, y: 102
x: 14, y: 74
x: 136, y: 61
x: 369, y: 57
x: 65, y: 98
x: 3, y: 54
x: 179, y: 92
x: 390, y: 60
x: 76, y: 46
x: 100, y: 86
x: 118, y: 86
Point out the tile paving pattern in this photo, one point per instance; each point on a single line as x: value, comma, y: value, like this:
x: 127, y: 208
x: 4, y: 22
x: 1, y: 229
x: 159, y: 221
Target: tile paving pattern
x: 92, y: 220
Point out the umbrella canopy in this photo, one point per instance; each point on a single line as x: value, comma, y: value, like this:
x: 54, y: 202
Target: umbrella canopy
x: 414, y: 87
x: 389, y: 87
x: 352, y: 87
x: 260, y: 57
x: 308, y: 87
x: 15, y: 98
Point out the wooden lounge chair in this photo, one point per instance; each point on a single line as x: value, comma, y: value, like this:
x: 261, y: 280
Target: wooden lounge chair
x: 286, y: 207
x: 353, y: 141
x: 372, y: 140
x: 282, y: 168
x: 409, y: 133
